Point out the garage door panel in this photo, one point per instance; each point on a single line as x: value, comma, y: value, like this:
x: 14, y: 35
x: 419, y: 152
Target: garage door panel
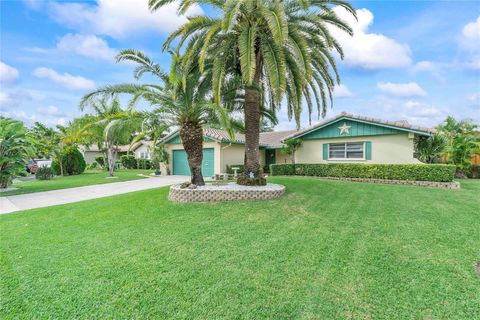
x: 180, y: 162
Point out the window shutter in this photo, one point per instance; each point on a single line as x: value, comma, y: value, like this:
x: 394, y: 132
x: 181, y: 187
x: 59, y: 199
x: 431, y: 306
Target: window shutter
x: 325, y: 151
x: 368, y: 150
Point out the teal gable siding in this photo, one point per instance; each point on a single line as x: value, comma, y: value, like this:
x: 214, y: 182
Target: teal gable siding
x: 358, y: 129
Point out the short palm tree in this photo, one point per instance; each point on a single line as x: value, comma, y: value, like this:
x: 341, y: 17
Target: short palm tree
x: 280, y: 49
x: 180, y: 99
x: 112, y: 124
x: 290, y: 147
x: 430, y: 149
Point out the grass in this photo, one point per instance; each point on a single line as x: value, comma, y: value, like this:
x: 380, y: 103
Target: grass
x: 85, y: 179
x: 326, y: 250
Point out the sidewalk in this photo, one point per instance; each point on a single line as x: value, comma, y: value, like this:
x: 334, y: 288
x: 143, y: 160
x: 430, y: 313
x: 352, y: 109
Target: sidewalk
x: 55, y: 197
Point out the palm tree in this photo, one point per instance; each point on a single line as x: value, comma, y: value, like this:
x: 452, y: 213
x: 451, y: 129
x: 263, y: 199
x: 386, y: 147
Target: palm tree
x: 290, y: 147
x: 180, y: 99
x: 462, y: 142
x: 280, y: 49
x: 430, y: 149
x: 117, y: 126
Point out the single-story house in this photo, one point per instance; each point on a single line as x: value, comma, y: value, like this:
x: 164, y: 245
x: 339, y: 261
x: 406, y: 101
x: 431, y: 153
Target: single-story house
x: 220, y: 151
x: 345, y: 138
x: 348, y: 138
x: 141, y: 150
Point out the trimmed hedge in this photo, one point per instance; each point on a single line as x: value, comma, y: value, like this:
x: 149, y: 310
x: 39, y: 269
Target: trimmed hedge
x: 414, y: 172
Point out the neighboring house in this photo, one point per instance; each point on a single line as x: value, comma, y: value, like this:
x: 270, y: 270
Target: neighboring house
x: 344, y: 139
x: 219, y: 151
x: 141, y: 149
x: 355, y: 139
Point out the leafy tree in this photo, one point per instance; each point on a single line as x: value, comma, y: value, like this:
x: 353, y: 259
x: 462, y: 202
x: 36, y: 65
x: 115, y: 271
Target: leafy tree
x: 279, y: 48
x: 430, y: 149
x: 462, y: 142
x: 180, y: 99
x: 15, y: 148
x: 45, y: 140
x: 290, y: 147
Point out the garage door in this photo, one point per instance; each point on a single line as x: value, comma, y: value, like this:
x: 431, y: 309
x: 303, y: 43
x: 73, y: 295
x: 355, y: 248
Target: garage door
x: 180, y: 162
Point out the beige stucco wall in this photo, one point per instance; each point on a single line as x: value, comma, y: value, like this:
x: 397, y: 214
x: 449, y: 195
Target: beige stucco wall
x: 281, y: 158
x: 387, y: 149
x: 143, y: 148
x: 232, y: 154
x: 91, y: 155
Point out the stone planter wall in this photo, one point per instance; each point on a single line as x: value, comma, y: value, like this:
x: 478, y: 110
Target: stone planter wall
x: 431, y: 184
x: 225, y: 193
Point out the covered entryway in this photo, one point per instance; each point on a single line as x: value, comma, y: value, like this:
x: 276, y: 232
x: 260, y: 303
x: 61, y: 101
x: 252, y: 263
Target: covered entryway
x: 180, y: 162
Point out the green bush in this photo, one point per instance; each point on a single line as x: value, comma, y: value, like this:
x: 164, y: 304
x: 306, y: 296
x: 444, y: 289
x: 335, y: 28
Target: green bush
x: 128, y: 161
x: 72, y: 160
x: 92, y: 165
x: 244, y: 181
x: 44, y: 173
x: 100, y: 161
x: 415, y: 172
x: 144, y: 164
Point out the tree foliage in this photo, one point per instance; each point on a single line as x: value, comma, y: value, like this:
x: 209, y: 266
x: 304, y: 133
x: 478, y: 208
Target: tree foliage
x: 15, y: 149
x: 462, y: 141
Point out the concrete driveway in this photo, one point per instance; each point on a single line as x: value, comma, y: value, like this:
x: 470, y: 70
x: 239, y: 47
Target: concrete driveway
x: 55, y: 197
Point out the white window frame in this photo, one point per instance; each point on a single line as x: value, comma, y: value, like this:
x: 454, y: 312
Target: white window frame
x: 348, y: 159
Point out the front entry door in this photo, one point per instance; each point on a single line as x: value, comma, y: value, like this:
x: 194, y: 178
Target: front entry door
x: 269, y: 157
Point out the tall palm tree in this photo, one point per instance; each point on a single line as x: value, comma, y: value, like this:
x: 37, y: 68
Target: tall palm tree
x: 280, y: 49
x: 180, y: 99
x: 116, y: 125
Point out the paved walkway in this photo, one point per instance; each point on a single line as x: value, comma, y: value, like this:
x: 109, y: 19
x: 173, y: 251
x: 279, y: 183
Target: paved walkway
x: 55, y: 197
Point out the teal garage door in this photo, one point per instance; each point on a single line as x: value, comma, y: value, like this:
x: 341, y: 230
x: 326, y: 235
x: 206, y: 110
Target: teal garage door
x: 180, y: 162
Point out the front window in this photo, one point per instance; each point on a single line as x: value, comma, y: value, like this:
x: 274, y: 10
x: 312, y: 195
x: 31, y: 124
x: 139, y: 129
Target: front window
x: 352, y: 150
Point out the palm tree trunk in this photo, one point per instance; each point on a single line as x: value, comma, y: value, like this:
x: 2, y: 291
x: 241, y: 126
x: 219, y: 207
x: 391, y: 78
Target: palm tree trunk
x: 192, y: 139
x: 110, y: 158
x: 252, y: 123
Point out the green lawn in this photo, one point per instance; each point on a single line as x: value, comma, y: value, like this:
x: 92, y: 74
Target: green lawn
x: 86, y: 179
x: 326, y: 250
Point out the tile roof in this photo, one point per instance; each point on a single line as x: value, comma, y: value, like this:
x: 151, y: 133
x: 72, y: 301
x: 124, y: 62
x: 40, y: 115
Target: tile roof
x: 402, y: 124
x: 267, y: 139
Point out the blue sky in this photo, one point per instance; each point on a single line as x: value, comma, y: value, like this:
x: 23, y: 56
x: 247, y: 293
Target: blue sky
x: 408, y: 60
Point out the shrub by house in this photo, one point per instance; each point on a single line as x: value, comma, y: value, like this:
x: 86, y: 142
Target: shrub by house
x: 413, y: 172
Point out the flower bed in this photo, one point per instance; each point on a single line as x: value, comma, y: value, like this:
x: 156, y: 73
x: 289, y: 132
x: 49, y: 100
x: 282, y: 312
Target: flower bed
x: 225, y: 192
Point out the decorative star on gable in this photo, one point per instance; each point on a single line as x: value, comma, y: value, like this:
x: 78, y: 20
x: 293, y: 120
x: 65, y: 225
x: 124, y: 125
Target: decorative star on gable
x: 344, y: 128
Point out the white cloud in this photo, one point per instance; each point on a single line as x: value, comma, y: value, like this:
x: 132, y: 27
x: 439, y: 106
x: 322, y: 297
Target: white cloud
x: 410, y: 89
x: 67, y: 80
x: 421, y: 110
x: 470, y: 44
x: 86, y: 45
x: 8, y: 74
x: 341, y: 91
x: 119, y: 18
x: 51, y: 111
x: 369, y: 50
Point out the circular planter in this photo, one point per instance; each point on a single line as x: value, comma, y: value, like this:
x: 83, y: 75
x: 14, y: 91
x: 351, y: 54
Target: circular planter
x: 226, y: 192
